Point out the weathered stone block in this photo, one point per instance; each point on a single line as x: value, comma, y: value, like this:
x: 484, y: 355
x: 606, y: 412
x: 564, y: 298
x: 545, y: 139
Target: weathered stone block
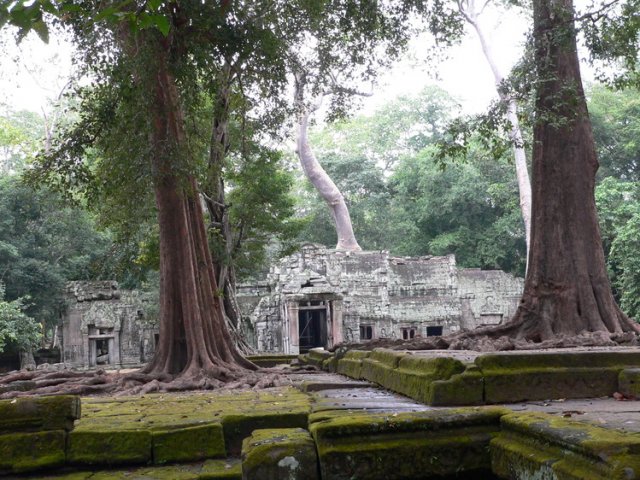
x: 405, y: 445
x: 629, y: 382
x: 188, y: 444
x: 379, y: 364
x: 238, y: 427
x: 279, y: 454
x: 110, y: 447
x: 351, y: 364
x: 466, y: 388
x: 536, y: 445
x: 316, y: 356
x: 39, y: 413
x: 27, y: 452
x: 414, y: 376
x: 539, y: 376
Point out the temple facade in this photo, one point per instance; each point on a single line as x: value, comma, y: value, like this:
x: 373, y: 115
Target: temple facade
x: 105, y: 327
x: 319, y: 297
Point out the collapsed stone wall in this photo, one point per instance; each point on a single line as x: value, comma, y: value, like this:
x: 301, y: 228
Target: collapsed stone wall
x: 372, y: 294
x: 104, y: 326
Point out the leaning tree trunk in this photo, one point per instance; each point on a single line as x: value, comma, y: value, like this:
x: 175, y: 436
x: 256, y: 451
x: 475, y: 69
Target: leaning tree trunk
x: 325, y: 187
x: 471, y: 14
x: 194, y: 338
x: 566, y: 289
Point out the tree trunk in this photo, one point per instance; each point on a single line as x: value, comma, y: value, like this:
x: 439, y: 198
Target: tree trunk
x: 194, y: 339
x: 470, y: 13
x: 325, y: 186
x: 218, y: 209
x: 566, y: 289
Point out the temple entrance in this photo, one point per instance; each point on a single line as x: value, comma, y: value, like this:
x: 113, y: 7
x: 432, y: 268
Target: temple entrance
x: 312, y: 326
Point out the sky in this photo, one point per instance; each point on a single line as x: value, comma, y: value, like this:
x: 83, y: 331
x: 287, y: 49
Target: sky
x: 33, y: 74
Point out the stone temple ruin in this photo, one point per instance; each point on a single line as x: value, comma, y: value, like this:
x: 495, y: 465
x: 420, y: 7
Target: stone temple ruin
x: 320, y: 297
x: 317, y: 297
x: 105, y: 327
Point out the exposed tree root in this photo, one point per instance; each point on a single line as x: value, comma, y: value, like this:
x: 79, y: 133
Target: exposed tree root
x: 101, y: 382
x: 492, y: 339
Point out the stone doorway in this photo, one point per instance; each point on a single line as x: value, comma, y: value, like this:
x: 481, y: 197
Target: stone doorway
x: 102, y: 346
x: 312, y: 326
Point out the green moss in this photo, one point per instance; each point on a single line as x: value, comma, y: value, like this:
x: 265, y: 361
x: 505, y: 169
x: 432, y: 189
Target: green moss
x: 27, y: 452
x: 68, y: 476
x: 350, y: 367
x: 406, y: 456
x: 466, y: 388
x: 339, y: 425
x: 39, y: 413
x: 279, y: 454
x: 573, y: 450
x: 229, y: 469
x: 389, y: 358
x: 114, y: 447
x: 629, y: 382
x: 238, y: 427
x: 593, y: 359
x: 330, y: 364
x: 188, y: 444
x: 536, y: 383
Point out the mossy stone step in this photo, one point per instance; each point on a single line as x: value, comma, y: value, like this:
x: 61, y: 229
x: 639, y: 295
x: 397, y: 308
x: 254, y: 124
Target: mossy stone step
x: 33, y: 414
x: 537, y: 445
x: 279, y: 454
x: 28, y: 452
x: 515, y: 377
x: 404, y: 445
x: 225, y: 469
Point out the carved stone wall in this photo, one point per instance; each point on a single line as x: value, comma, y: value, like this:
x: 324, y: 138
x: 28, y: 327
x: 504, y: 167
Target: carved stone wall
x: 104, y: 327
x: 357, y: 294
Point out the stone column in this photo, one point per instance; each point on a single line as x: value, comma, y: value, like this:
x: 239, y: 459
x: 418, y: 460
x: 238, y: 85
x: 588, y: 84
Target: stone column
x: 292, y: 310
x: 337, y: 328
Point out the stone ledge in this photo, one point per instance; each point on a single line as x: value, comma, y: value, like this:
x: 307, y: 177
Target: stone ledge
x: 276, y: 454
x: 497, y: 378
x: 405, y: 445
x: 535, y: 445
x: 31, y: 414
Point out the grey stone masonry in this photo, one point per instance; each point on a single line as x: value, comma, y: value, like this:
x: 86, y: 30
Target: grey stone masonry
x: 103, y: 327
x: 320, y: 297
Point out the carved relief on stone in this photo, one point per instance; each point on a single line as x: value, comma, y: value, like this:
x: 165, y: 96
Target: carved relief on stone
x: 102, y: 315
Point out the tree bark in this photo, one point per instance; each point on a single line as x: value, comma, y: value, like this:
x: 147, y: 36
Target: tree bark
x: 219, y: 210
x: 321, y: 180
x: 566, y: 289
x: 194, y: 339
x: 470, y: 13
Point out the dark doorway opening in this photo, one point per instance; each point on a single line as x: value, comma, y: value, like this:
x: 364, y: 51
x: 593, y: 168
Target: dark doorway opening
x: 434, y: 331
x: 312, y: 329
x: 102, y: 352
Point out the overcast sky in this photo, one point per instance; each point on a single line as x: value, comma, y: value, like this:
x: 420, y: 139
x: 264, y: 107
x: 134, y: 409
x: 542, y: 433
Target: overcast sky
x: 35, y: 73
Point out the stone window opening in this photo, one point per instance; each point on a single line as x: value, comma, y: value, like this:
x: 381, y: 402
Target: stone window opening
x: 434, y: 331
x: 366, y: 332
x: 408, y: 333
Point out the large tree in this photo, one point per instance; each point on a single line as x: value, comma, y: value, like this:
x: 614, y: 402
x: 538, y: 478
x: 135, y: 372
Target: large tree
x: 147, y: 62
x: 567, y: 291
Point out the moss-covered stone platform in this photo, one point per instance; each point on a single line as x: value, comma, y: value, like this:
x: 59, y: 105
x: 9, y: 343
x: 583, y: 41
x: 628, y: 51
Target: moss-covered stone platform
x: 329, y: 426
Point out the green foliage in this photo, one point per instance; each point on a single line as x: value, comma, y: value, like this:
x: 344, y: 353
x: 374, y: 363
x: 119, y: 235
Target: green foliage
x: 44, y: 243
x: 402, y: 200
x: 16, y: 327
x: 20, y: 134
x: 618, y: 203
x: 261, y: 209
x: 615, y: 118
